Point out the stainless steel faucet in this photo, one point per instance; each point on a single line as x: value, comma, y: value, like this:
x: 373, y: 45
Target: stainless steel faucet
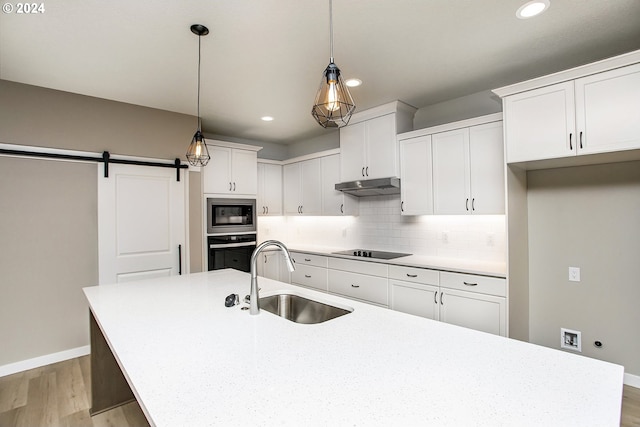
x: 254, y: 306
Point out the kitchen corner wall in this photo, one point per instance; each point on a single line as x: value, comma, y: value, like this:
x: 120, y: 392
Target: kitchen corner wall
x: 586, y: 217
x: 381, y: 226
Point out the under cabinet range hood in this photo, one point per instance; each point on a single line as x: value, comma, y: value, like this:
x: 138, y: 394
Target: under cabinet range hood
x: 370, y: 187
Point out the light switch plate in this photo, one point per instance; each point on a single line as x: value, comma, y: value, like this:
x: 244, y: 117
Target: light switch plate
x: 574, y: 274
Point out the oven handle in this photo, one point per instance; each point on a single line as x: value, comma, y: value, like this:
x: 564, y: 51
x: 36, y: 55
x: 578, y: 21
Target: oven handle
x: 232, y: 245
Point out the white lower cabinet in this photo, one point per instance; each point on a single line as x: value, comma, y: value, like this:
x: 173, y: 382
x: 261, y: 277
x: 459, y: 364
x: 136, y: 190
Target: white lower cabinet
x: 442, y: 296
x: 361, y: 280
x: 269, y: 265
x: 485, y: 313
x: 414, y: 291
x: 311, y: 271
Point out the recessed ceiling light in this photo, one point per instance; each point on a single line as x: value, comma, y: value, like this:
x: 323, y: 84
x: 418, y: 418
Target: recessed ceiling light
x: 532, y: 8
x: 267, y: 118
x: 353, y: 82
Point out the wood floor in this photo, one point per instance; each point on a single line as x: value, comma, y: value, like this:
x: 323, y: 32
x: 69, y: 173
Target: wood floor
x: 58, y: 396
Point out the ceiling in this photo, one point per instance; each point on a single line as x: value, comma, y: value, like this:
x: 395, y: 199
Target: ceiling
x: 266, y: 57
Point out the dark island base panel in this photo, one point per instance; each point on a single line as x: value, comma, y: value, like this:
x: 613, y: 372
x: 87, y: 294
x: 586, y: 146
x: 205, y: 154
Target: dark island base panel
x: 109, y: 388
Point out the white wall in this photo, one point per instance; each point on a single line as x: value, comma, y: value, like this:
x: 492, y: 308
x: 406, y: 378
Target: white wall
x: 380, y: 226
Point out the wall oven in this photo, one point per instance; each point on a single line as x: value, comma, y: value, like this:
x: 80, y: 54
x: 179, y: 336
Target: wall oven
x: 231, y: 216
x: 231, y: 251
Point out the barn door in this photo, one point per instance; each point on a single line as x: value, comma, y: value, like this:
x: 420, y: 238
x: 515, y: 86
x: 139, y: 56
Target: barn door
x: 141, y: 223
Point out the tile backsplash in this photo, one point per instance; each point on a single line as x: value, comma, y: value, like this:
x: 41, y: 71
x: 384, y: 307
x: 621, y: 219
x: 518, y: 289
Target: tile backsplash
x: 380, y: 226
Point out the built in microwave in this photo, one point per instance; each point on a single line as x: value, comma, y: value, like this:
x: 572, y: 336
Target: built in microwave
x: 231, y: 215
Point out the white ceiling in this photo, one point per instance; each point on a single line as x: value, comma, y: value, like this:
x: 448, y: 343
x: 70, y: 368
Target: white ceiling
x: 265, y: 57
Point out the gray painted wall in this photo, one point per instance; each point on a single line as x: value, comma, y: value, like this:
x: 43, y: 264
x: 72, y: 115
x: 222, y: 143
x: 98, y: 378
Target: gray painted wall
x: 48, y: 220
x: 48, y: 253
x: 466, y: 107
x: 587, y: 217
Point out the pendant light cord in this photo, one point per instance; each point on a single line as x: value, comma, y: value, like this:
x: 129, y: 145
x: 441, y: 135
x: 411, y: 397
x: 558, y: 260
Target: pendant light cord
x: 199, y: 49
x: 331, y: 28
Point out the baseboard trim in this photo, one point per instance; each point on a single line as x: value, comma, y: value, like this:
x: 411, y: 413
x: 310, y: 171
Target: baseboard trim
x: 632, y: 380
x: 47, y: 359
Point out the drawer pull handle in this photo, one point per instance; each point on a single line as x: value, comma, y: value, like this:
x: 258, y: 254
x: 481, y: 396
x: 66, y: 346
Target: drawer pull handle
x: 307, y: 259
x: 307, y: 276
x: 470, y: 284
x: 412, y: 275
x: 435, y: 297
x: 355, y: 286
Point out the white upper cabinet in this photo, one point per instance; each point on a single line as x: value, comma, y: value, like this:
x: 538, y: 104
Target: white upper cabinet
x: 369, y: 147
x: 302, y: 188
x: 540, y: 124
x: 608, y: 111
x: 335, y: 202
x: 269, y: 189
x: 451, y: 186
x: 486, y: 169
x: 416, y: 176
x: 231, y: 171
x: 591, y: 109
x: 468, y: 170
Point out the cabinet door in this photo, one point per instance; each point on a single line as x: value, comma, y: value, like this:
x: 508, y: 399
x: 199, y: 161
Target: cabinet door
x: 413, y: 298
x: 540, y: 124
x: 216, y: 175
x: 485, y: 313
x: 269, y: 189
x: 608, y: 111
x: 244, y: 172
x: 451, y: 172
x: 335, y: 202
x: 352, y: 152
x: 381, y: 147
x: 271, y: 265
x: 311, y: 190
x: 291, y: 179
x: 486, y: 159
x: 415, y: 176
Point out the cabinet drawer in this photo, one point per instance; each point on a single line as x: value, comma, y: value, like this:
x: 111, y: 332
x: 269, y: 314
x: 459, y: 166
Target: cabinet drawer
x: 362, y: 267
x: 308, y: 259
x: 472, y: 283
x: 308, y: 275
x: 360, y: 286
x: 413, y: 274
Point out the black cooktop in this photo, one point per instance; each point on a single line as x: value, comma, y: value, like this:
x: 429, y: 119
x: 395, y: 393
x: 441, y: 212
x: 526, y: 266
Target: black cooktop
x: 366, y: 253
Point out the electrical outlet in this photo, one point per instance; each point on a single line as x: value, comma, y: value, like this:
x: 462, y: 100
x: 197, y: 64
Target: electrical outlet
x: 571, y: 340
x: 491, y: 239
x: 574, y: 274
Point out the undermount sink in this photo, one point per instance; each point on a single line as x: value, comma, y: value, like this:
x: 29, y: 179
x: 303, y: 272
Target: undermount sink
x: 299, y: 309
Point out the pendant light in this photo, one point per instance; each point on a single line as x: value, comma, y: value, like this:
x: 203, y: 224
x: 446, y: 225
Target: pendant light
x: 197, y: 153
x: 334, y: 104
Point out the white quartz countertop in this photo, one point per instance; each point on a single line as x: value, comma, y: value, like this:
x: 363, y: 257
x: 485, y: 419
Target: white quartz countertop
x: 485, y: 268
x: 191, y: 361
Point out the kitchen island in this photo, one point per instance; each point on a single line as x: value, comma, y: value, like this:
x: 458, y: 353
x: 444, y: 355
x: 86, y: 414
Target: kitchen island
x: 189, y: 360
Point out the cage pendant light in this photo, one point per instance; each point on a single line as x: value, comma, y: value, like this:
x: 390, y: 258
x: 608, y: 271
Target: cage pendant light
x: 197, y: 153
x: 334, y: 105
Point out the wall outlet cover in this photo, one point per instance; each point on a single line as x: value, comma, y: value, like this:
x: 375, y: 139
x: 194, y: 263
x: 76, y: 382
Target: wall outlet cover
x: 571, y: 340
x: 574, y: 274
